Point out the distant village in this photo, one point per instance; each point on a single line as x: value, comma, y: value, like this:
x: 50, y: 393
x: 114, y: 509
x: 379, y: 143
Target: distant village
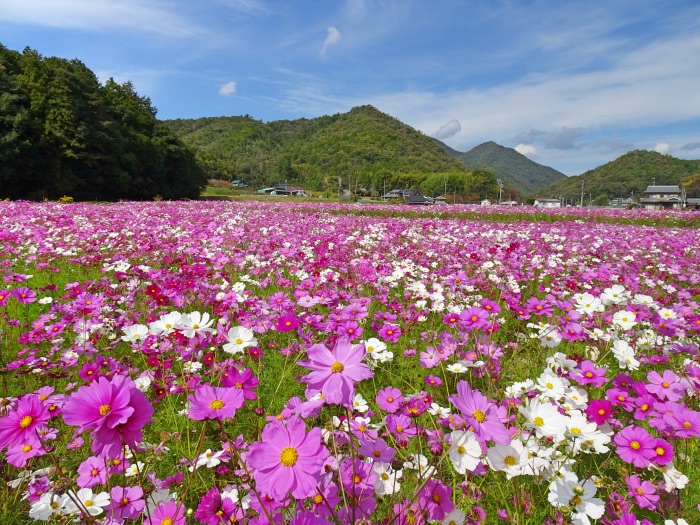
x: 656, y: 197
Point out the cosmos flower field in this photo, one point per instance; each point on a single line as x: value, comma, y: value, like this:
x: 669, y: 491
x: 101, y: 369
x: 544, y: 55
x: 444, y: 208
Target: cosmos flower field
x: 215, y: 362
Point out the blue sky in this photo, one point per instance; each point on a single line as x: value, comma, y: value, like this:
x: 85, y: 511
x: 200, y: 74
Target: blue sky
x: 571, y: 84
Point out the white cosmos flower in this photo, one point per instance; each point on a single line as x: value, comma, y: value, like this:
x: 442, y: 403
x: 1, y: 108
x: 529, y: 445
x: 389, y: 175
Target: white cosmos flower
x: 437, y: 410
x: 386, y: 482
x: 94, y: 504
x: 578, y: 496
x: 135, y: 333
x: 545, y: 419
x: 374, y: 346
x: 239, y: 338
x: 47, y: 505
x: 465, y: 452
x: 625, y: 355
x: 359, y: 404
x: 588, y: 304
x: 508, y: 458
x: 166, y: 324
x: 208, y: 459
x: 195, y: 323
x: 456, y: 517
x: 624, y: 319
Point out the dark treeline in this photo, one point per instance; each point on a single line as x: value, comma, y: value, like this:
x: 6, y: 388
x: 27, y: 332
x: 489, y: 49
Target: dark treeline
x: 63, y: 133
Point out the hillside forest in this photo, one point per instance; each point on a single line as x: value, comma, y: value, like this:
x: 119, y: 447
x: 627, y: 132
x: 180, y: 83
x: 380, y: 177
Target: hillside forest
x: 64, y: 133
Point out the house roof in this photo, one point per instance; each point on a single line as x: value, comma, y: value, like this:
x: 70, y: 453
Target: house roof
x: 663, y: 189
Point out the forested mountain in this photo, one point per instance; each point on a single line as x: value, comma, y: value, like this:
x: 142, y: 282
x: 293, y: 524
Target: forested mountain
x: 629, y: 174
x: 63, y: 133
x: 362, y: 148
x: 515, y: 169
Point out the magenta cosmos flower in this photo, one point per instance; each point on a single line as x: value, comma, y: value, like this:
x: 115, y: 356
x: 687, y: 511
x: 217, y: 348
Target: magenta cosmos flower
x: 480, y: 413
x: 212, y: 402
x: 335, y: 373
x: 635, y: 445
x: 287, y: 459
x: 168, y: 513
x: 20, y: 423
x: 115, y: 410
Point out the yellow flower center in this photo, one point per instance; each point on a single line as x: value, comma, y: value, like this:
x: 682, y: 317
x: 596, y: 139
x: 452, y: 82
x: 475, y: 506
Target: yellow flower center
x: 436, y: 498
x: 479, y: 415
x: 167, y: 521
x: 26, y: 448
x: 686, y: 425
x: 318, y: 499
x: 640, y: 491
x: 217, y: 404
x: 660, y: 451
x: 538, y: 422
x: 635, y: 445
x: 88, y: 503
x: 125, y: 501
x: 509, y: 461
x: 239, y: 341
x: 26, y: 421
x: 289, y: 456
x: 337, y: 367
x: 384, y: 476
x: 104, y: 409
x: 461, y: 449
x: 376, y: 453
x: 549, y: 385
x: 94, y: 472
x: 399, y: 428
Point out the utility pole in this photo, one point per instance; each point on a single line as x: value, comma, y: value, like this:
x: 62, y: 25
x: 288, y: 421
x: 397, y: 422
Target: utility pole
x: 500, y: 189
x: 582, y: 193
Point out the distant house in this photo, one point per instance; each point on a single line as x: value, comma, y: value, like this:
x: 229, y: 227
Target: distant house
x: 661, y: 197
x: 419, y: 199
x: 397, y: 194
x: 284, y: 189
x: 547, y: 203
x: 509, y: 203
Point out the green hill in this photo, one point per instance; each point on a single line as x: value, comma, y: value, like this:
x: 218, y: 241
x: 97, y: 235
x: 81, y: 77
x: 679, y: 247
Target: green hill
x: 515, y: 169
x: 629, y: 174
x: 363, y: 147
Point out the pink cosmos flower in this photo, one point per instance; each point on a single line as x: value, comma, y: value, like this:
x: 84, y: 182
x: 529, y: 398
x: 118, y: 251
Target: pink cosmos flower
x: 127, y: 503
x: 241, y: 379
x: 664, y: 452
x: 20, y: 454
x: 684, y: 422
x: 168, y: 513
x: 390, y: 332
x: 19, y: 425
x: 213, y: 402
x: 287, y: 323
x: 389, y: 399
x: 436, y: 499
x: 287, y: 459
x: 115, y: 410
x: 91, y: 472
x: 599, y: 411
x: 589, y: 374
x: 335, y: 373
x: 644, y: 492
x: 665, y: 386
x: 480, y: 413
x: 635, y: 445
x: 24, y: 295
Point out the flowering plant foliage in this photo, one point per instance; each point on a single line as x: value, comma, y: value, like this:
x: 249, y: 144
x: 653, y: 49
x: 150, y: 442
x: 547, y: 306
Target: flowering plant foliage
x: 173, y: 363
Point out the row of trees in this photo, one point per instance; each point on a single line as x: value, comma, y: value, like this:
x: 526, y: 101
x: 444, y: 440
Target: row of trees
x: 64, y: 133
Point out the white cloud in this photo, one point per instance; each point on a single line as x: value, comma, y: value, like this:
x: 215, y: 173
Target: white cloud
x: 526, y: 149
x: 662, y: 148
x: 332, y: 39
x: 447, y: 130
x: 227, y: 89
x: 89, y: 15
